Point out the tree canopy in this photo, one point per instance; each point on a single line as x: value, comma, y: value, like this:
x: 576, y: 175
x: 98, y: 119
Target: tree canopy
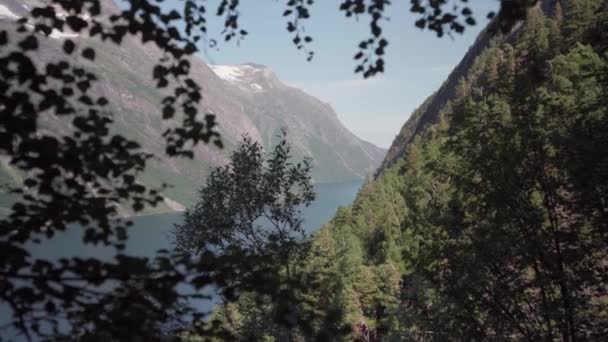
x: 246, y: 230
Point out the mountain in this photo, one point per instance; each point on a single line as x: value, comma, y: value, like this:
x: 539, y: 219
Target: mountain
x: 246, y: 99
x: 313, y: 126
x: 427, y: 113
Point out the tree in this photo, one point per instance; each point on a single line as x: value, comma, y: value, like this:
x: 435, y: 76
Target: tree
x: 246, y: 229
x: 578, y: 17
x: 250, y: 206
x: 78, y: 177
x: 519, y: 239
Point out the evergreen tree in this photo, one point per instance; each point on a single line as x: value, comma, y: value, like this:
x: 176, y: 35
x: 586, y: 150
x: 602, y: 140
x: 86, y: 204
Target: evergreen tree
x: 578, y: 18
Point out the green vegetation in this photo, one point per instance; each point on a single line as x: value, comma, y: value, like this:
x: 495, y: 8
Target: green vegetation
x: 493, y: 224
x: 246, y: 228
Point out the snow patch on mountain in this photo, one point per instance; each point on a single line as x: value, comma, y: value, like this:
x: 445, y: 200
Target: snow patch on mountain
x: 174, y: 205
x: 246, y: 76
x: 7, y: 13
x: 56, y: 34
x: 230, y: 73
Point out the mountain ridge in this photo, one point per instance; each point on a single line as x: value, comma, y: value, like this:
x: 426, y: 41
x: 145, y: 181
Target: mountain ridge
x: 259, y: 105
x: 427, y: 113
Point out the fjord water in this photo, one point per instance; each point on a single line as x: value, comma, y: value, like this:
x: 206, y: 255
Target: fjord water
x: 152, y: 232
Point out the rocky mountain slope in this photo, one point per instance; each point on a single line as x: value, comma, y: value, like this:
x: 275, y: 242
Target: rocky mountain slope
x: 246, y: 99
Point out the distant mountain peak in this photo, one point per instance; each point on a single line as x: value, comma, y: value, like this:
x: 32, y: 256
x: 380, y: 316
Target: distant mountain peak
x: 7, y: 13
x: 248, y: 76
x: 247, y: 98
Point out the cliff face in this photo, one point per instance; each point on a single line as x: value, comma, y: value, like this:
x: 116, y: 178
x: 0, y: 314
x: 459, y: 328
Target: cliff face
x: 246, y: 99
x: 428, y: 112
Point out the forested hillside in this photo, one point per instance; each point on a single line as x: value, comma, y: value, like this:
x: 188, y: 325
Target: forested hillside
x: 493, y: 223
x: 427, y: 113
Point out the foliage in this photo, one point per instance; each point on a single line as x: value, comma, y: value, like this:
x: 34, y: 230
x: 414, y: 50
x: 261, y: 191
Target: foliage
x: 250, y: 211
x: 246, y: 230
x: 78, y: 178
x: 492, y: 226
x: 81, y: 176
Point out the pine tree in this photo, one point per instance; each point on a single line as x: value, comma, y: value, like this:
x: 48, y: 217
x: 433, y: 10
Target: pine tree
x: 492, y: 67
x: 578, y: 18
x: 535, y: 39
x: 507, y: 68
x: 555, y: 26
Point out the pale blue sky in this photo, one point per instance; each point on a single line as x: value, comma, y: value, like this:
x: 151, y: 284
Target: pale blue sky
x: 417, y: 62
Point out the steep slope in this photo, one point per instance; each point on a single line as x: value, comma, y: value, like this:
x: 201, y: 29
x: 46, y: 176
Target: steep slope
x: 313, y: 126
x: 428, y: 112
x: 246, y: 99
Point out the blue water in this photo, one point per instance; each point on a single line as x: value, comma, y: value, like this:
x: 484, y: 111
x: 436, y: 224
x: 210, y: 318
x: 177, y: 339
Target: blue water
x: 150, y: 233
x: 329, y: 197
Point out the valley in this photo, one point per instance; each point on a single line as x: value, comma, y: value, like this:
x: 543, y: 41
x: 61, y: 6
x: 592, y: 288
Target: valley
x: 246, y: 99
x: 122, y: 207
